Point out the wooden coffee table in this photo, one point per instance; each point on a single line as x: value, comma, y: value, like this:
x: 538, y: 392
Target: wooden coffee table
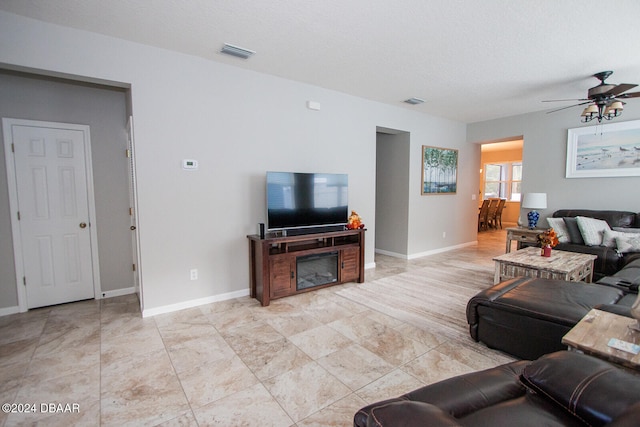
x: 561, y: 265
x: 592, y: 334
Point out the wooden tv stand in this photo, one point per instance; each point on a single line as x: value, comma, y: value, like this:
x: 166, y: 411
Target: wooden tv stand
x: 273, y: 261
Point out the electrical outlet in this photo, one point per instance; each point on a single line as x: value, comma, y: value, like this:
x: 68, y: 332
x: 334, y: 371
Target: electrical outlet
x: 194, y: 274
x: 444, y: 234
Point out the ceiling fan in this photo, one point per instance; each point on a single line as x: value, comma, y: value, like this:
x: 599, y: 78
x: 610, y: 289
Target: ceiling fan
x: 604, y: 99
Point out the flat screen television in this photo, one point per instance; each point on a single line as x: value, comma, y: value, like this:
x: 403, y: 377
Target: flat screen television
x: 302, y: 200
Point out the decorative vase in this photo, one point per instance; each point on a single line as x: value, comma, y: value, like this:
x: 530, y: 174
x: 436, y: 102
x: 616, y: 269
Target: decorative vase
x: 546, y: 251
x: 532, y: 218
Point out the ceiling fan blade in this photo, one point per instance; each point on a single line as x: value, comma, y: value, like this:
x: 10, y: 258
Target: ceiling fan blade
x: 560, y: 100
x: 629, y: 95
x: 621, y: 88
x: 570, y: 106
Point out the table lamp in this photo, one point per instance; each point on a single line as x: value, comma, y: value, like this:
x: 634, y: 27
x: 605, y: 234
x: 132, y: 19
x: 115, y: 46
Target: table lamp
x: 534, y: 201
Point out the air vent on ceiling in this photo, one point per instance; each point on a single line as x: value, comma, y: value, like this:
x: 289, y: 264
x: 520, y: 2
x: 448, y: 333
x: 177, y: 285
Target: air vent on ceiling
x: 236, y: 51
x: 414, y: 101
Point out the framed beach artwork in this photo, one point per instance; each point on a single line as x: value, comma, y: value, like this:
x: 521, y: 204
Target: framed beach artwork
x: 604, y: 151
x: 439, y: 170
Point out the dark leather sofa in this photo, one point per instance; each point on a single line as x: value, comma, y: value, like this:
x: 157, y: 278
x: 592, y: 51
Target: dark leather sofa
x: 608, y: 261
x: 559, y: 389
x: 527, y: 317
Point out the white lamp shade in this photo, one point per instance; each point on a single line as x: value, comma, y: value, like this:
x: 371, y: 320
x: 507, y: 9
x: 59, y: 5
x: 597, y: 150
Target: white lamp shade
x: 534, y: 201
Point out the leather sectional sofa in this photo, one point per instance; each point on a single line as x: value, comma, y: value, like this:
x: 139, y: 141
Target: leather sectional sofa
x: 559, y: 389
x: 609, y: 261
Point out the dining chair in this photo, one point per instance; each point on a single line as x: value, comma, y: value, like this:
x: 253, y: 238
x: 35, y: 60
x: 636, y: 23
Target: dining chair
x: 491, y: 214
x: 483, y: 216
x: 497, y: 218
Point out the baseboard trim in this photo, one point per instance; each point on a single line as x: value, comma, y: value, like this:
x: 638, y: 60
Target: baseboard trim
x: 441, y: 250
x: 193, y: 303
x: 427, y: 253
x: 9, y: 310
x: 117, y: 293
x: 391, y: 254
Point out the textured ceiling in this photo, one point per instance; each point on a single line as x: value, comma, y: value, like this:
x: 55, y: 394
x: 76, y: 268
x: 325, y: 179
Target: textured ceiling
x: 470, y: 60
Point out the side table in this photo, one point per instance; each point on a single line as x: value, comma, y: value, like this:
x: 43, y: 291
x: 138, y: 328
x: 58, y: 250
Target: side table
x: 592, y: 334
x: 521, y: 235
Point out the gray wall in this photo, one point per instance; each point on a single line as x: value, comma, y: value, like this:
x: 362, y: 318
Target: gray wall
x: 238, y: 124
x: 544, y: 161
x: 393, y: 158
x: 104, y: 110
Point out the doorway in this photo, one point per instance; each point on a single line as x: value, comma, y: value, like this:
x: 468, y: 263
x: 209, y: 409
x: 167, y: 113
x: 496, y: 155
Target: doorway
x: 501, y: 175
x: 105, y: 109
x: 393, y: 156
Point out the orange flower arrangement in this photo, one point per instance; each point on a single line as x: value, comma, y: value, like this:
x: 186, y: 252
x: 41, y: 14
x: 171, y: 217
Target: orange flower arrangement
x: 548, y: 238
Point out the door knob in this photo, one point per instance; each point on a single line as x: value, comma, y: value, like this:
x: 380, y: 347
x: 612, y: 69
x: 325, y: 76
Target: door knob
x: 133, y: 227
x: 83, y: 225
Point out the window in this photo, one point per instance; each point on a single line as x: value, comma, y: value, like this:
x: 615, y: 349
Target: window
x: 503, y: 180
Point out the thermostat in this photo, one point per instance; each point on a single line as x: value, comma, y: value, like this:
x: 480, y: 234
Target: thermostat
x: 189, y: 164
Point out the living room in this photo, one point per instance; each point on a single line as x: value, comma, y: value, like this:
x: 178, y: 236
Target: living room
x: 239, y: 123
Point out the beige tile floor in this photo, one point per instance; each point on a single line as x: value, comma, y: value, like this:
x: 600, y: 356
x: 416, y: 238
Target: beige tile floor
x: 308, y: 360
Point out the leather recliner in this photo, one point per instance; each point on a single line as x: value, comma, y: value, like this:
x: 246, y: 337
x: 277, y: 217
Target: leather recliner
x: 559, y: 389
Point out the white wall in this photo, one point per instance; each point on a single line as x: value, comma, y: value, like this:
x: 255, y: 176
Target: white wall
x: 238, y: 124
x: 544, y: 161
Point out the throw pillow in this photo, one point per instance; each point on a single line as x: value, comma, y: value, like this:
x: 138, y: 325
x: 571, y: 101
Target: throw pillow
x: 629, y: 243
x: 560, y: 228
x: 592, y: 230
x: 574, y: 232
x: 626, y: 229
x: 609, y: 237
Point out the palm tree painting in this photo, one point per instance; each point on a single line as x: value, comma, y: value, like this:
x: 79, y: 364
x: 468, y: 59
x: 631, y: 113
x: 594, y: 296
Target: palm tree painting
x: 439, y: 170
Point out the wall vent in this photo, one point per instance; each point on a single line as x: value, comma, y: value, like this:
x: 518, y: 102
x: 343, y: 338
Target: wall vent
x: 414, y: 101
x: 236, y: 51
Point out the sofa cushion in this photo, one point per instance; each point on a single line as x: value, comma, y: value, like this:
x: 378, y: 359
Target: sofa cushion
x: 628, y: 243
x: 588, y: 387
x: 609, y: 237
x: 574, y: 232
x: 558, y: 301
x: 560, y: 228
x: 626, y: 229
x: 592, y: 230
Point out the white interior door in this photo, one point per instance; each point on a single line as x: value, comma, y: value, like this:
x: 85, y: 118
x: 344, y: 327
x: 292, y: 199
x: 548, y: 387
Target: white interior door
x: 54, y: 251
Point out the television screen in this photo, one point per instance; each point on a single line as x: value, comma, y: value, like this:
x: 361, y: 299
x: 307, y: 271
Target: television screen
x: 296, y: 200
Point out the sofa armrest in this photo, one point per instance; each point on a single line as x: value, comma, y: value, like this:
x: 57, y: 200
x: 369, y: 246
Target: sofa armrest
x: 456, y: 397
x: 592, y: 389
x: 491, y: 294
x: 409, y: 414
x: 620, y: 310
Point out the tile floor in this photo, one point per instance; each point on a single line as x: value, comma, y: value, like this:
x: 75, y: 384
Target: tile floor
x: 299, y: 362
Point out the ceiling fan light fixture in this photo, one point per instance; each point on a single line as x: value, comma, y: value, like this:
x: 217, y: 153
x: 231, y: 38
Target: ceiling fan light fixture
x: 414, y: 101
x: 238, y: 52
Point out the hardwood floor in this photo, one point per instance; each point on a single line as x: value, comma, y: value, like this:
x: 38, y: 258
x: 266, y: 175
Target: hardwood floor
x: 308, y: 360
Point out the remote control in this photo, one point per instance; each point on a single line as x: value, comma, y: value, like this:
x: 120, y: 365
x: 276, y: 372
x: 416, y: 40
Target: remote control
x: 624, y: 346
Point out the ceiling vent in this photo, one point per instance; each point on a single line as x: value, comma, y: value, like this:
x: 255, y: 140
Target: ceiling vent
x: 414, y: 101
x: 236, y: 51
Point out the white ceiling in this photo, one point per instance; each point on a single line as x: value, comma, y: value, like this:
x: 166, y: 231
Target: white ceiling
x: 470, y: 60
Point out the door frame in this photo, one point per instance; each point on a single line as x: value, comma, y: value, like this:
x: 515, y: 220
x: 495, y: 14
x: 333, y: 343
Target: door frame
x: 133, y: 195
x: 12, y: 184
